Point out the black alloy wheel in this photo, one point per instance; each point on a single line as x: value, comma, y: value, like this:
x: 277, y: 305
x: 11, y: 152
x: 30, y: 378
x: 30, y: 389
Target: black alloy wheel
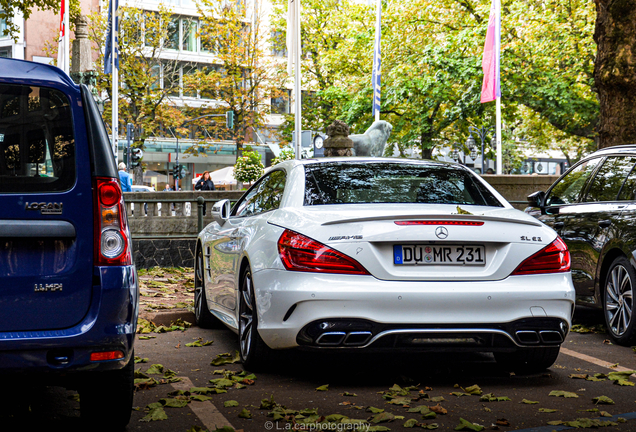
x: 202, y: 313
x: 618, y: 302
x: 255, y: 354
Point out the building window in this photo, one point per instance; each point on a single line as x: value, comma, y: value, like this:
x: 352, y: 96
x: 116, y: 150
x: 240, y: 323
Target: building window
x: 172, y: 39
x: 279, y: 44
x: 189, y: 30
x: 280, y: 104
x: 5, y: 52
x: 3, y: 27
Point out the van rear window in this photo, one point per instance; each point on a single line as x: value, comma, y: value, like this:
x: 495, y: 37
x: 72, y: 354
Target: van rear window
x: 37, y: 143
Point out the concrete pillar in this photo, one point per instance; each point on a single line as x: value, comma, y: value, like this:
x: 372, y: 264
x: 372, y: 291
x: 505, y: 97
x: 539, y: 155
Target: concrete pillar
x: 82, y: 60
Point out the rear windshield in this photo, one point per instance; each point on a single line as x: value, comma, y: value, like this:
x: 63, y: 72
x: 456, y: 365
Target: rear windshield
x: 385, y: 182
x: 37, y: 145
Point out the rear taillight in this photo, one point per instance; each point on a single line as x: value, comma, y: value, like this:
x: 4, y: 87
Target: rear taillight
x: 300, y: 253
x: 554, y: 258
x: 112, y: 238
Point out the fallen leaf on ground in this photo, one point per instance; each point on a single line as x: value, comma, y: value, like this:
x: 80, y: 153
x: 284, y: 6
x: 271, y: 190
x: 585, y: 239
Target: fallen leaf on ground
x: 562, y: 393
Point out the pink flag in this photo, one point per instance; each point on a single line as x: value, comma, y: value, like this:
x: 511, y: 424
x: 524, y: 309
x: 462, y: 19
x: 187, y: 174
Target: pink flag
x: 491, y: 88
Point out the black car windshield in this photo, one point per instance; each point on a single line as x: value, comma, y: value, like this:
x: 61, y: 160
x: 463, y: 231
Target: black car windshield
x: 386, y: 182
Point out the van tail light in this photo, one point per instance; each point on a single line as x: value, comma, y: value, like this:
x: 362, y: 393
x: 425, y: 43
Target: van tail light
x: 112, y: 237
x: 554, y: 258
x: 300, y: 253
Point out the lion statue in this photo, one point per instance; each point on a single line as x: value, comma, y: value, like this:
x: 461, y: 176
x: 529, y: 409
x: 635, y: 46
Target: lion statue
x: 373, y: 141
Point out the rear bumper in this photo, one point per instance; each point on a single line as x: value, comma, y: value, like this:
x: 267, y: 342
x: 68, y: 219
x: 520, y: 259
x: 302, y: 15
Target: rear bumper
x: 290, y: 303
x: 109, y: 325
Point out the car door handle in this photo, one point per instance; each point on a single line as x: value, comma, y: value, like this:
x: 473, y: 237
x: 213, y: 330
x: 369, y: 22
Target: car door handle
x: 604, y: 223
x: 559, y: 224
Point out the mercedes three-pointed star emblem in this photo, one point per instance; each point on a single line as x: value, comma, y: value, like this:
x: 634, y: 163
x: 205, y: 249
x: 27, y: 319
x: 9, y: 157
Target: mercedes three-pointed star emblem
x: 441, y: 232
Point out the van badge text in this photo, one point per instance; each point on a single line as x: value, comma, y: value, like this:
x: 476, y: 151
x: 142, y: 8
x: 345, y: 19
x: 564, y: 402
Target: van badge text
x: 45, y: 208
x: 47, y: 287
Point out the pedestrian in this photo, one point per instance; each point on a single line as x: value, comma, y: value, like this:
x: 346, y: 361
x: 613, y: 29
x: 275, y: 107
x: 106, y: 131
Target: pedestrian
x: 124, y: 178
x: 168, y: 188
x: 205, y: 184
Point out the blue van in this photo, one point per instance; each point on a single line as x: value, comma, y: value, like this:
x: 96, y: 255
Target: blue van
x: 68, y: 288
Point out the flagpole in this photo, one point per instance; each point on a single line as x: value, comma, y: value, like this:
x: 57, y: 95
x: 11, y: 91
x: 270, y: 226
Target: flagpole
x: 377, y: 61
x: 297, y: 91
x: 498, y: 131
x: 115, y: 77
x: 67, y: 36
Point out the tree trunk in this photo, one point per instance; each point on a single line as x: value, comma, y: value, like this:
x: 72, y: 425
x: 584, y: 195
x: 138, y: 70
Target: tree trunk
x: 615, y: 71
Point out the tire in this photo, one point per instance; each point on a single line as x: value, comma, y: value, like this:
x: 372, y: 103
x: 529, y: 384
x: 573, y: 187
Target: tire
x: 202, y: 314
x: 255, y: 354
x: 106, y: 398
x: 618, y: 302
x: 528, y: 360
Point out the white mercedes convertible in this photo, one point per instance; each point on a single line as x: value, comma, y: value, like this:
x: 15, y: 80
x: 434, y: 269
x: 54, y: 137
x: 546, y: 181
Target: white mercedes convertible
x: 383, y: 254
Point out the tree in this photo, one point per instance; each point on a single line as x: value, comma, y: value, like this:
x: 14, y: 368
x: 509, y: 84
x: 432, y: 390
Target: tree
x: 9, y: 8
x: 146, y: 80
x: 615, y: 71
x: 243, y: 77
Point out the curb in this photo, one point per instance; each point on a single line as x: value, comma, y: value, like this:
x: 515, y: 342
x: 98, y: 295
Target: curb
x: 167, y: 317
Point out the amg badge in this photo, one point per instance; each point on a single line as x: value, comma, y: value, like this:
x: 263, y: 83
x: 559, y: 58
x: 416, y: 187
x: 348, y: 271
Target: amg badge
x: 352, y: 237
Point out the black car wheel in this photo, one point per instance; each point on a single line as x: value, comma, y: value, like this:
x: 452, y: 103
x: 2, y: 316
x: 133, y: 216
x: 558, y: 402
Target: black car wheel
x: 528, y: 360
x: 618, y: 302
x: 255, y: 354
x: 106, y: 398
x: 202, y: 313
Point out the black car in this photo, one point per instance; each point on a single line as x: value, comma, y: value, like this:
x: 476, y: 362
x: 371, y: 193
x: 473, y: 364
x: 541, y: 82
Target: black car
x: 593, y: 208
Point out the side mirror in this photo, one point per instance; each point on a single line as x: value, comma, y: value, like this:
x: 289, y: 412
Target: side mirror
x: 221, y: 211
x: 536, y: 199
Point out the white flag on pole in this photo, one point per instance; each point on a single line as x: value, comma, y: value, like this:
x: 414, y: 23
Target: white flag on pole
x: 62, y: 49
x: 292, y: 28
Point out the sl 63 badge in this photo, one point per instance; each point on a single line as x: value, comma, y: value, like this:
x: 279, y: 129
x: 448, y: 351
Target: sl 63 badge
x: 47, y: 287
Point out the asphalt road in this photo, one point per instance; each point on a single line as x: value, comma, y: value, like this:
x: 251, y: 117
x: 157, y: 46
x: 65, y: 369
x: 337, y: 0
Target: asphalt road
x: 293, y: 382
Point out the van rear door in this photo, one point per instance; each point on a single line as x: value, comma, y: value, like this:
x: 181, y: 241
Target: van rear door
x: 46, y: 207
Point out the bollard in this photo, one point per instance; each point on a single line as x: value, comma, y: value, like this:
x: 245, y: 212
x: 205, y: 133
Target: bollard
x: 200, y: 202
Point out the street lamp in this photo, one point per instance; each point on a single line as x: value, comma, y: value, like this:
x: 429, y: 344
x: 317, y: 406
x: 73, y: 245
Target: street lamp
x: 481, y: 132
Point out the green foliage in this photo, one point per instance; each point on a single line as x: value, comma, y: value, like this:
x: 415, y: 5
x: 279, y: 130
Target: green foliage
x: 432, y: 77
x: 8, y: 9
x: 285, y: 154
x: 248, y: 167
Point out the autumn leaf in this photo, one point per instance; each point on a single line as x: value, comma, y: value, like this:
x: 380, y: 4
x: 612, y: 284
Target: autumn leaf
x: 466, y: 425
x: 245, y: 414
x: 382, y: 417
x: 375, y: 410
x: 410, y: 423
x: 323, y: 387
x: 529, y: 402
x: 230, y: 403
x: 226, y: 358
x: 155, y: 414
x: 603, y: 400
x: 547, y: 410
x: 438, y: 409
x: 561, y: 393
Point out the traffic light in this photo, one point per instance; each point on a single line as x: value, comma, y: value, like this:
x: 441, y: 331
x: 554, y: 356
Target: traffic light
x: 179, y: 171
x: 229, y: 119
x: 135, y: 156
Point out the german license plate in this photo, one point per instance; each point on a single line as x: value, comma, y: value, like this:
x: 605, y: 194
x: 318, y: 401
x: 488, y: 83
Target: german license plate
x: 436, y: 254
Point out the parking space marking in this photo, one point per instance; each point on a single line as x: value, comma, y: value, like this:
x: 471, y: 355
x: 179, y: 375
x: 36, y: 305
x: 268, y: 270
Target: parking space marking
x: 626, y: 416
x: 209, y: 415
x: 593, y: 360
